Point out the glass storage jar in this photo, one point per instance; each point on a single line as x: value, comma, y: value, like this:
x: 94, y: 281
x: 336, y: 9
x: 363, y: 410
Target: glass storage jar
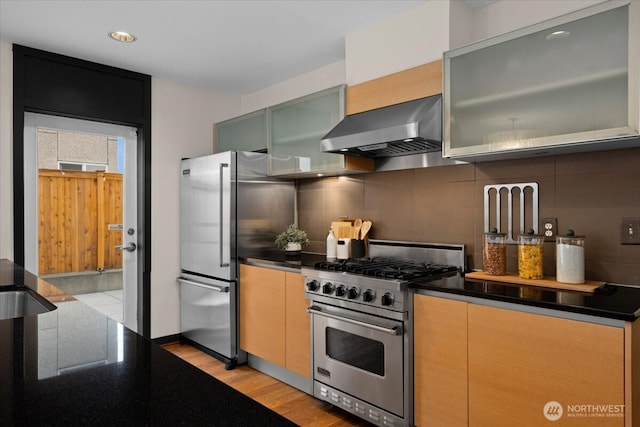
x: 530, y: 255
x: 494, y: 253
x: 570, y: 258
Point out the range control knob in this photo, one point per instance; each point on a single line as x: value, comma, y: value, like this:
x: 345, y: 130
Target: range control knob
x: 368, y: 295
x: 341, y: 290
x: 352, y: 293
x: 313, y: 285
x: 387, y: 299
x: 327, y: 288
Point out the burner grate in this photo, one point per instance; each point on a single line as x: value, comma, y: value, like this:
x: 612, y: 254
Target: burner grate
x: 386, y: 268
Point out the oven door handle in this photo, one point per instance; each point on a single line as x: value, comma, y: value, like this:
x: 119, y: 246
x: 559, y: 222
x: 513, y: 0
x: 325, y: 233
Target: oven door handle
x: 391, y: 331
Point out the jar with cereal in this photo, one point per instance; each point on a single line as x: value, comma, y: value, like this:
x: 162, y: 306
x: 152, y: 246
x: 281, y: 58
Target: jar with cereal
x: 494, y: 253
x: 530, y: 255
x: 570, y: 258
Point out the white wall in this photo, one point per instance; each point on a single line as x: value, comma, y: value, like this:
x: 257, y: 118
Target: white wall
x: 323, y: 78
x: 181, y: 126
x: 6, y: 150
x: 404, y: 41
x: 508, y: 15
x: 460, y: 24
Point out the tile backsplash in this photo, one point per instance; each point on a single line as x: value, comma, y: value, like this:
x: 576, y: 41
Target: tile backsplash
x: 587, y: 192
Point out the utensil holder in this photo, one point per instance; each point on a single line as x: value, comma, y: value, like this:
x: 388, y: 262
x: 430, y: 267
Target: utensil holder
x: 357, y: 249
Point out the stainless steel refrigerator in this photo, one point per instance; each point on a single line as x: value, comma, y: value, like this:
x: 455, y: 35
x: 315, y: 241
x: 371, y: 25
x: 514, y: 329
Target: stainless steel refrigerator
x: 230, y: 209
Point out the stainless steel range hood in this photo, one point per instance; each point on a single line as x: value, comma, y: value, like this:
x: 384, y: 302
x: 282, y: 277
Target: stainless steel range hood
x: 412, y: 127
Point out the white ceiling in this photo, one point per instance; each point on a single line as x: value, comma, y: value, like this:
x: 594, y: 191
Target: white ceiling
x: 234, y: 47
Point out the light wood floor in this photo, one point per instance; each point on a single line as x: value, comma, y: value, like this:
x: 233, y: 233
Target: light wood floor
x: 288, y: 401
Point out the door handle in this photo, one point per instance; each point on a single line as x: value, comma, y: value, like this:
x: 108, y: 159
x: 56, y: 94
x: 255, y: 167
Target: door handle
x: 129, y: 248
x: 222, y: 208
x: 204, y: 285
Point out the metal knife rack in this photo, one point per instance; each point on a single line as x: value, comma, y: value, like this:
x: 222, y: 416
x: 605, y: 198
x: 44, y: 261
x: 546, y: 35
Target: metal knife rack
x: 500, y: 205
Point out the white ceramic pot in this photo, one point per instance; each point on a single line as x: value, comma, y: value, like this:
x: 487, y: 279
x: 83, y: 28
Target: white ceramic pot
x: 293, y: 247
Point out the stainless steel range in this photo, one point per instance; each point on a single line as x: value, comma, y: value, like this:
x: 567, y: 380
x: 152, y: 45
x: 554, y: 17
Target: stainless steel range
x: 362, y: 325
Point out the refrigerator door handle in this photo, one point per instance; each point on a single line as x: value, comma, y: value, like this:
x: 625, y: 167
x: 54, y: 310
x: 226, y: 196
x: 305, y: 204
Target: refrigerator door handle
x: 202, y: 285
x: 222, y: 263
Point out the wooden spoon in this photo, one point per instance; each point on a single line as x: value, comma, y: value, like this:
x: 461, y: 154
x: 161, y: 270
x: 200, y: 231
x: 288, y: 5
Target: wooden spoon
x: 366, y: 226
x: 357, y: 224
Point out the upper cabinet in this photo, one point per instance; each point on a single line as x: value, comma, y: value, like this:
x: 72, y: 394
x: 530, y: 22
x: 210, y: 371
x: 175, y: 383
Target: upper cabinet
x: 558, y: 86
x: 291, y: 132
x: 296, y: 128
x: 244, y: 133
x: 407, y: 85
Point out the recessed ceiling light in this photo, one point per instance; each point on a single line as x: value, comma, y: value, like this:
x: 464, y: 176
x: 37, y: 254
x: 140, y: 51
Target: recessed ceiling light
x: 122, y: 36
x: 558, y: 35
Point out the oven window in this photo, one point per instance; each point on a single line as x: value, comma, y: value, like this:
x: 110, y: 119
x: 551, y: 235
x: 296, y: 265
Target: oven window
x: 354, y: 350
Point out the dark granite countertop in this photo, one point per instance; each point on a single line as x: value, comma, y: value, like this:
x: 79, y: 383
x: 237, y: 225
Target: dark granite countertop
x: 281, y: 260
x: 74, y: 366
x: 610, y: 301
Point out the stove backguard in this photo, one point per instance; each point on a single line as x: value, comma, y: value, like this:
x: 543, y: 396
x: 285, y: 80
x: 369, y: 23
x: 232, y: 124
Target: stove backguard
x: 433, y: 253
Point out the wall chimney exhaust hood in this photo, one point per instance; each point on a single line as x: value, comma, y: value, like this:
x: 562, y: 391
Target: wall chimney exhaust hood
x: 412, y: 127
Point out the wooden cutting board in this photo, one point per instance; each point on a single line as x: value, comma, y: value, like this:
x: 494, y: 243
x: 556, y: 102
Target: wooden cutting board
x: 342, y: 229
x: 546, y: 282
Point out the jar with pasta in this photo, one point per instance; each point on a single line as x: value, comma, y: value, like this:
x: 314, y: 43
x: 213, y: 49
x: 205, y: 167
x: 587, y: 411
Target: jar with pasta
x: 530, y: 255
x: 494, y: 253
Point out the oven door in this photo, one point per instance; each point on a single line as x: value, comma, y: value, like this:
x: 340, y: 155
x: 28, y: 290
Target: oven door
x: 359, y: 354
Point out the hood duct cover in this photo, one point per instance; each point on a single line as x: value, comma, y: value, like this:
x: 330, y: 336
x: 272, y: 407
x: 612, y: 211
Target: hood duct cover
x: 411, y: 127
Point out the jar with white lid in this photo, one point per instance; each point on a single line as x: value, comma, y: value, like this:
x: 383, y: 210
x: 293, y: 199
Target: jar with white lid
x: 570, y: 258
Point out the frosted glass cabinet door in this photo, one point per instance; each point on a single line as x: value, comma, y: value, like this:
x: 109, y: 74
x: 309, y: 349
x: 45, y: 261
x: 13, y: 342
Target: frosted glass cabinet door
x: 558, y: 83
x: 296, y: 128
x: 244, y: 133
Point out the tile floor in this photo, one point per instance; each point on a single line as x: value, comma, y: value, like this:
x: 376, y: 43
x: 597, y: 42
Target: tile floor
x: 108, y: 303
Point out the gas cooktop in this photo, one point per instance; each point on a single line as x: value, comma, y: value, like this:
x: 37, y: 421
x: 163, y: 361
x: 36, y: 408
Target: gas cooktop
x: 387, y: 268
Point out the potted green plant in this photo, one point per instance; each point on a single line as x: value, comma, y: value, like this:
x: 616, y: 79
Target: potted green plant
x: 292, y: 239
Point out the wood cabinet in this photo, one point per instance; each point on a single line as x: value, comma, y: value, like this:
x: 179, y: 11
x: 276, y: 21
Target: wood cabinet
x: 297, y: 326
x: 262, y: 313
x: 414, y: 83
x: 440, y: 360
x: 477, y: 365
x: 274, y: 323
x: 520, y: 361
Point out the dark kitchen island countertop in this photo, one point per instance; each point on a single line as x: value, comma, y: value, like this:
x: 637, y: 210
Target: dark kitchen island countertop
x: 75, y: 366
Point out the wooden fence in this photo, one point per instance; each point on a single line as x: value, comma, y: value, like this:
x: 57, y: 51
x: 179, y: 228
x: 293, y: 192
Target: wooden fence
x: 74, y: 211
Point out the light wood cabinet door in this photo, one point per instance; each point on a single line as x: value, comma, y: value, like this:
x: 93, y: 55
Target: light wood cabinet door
x: 440, y: 360
x: 262, y: 313
x: 298, y: 333
x: 407, y: 85
x: 518, y: 362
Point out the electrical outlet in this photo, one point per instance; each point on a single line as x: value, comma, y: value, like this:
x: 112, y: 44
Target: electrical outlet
x: 630, y: 231
x: 549, y: 227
